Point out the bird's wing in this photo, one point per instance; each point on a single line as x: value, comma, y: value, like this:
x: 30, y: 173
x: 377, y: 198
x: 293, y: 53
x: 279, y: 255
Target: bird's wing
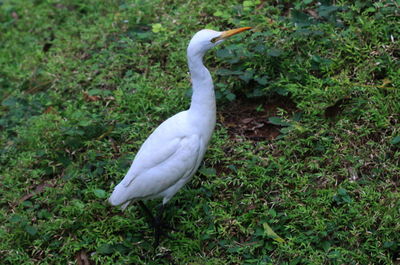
x: 173, y: 161
x: 149, y: 156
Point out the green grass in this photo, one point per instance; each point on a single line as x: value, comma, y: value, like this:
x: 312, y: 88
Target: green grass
x: 83, y: 83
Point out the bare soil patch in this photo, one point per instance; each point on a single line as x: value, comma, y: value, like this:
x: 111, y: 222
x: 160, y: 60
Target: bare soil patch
x: 249, y: 117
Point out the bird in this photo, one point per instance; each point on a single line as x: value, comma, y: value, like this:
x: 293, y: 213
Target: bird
x: 172, y: 153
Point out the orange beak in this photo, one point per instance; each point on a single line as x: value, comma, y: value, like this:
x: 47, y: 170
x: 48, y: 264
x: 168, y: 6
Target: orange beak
x: 229, y: 33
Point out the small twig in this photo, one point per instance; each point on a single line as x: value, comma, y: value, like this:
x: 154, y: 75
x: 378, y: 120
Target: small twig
x: 40, y: 188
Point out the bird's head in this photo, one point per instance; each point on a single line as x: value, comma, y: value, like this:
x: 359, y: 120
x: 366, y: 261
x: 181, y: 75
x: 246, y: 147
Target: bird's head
x: 206, y: 39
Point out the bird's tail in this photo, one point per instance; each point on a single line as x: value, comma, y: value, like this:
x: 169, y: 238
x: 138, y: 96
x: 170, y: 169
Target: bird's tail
x: 118, y: 197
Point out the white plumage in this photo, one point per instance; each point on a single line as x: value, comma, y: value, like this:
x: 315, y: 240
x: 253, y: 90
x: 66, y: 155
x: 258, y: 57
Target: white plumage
x: 172, y: 153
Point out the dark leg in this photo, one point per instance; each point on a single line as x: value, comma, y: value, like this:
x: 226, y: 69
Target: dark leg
x: 158, y: 226
x: 147, y: 211
x: 159, y: 219
x: 160, y: 212
x: 156, y: 222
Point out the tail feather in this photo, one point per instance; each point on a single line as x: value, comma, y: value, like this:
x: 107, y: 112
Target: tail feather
x: 119, y: 197
x: 114, y: 200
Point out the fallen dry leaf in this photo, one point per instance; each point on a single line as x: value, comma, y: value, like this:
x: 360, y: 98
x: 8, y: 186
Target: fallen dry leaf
x: 247, y: 120
x: 88, y: 97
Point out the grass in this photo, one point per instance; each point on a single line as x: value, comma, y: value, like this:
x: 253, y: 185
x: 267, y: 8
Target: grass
x: 83, y: 83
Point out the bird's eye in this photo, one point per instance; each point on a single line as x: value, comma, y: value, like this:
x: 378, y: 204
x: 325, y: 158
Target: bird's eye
x: 214, y: 40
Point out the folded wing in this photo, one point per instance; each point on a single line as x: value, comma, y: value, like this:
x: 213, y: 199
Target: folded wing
x: 157, y: 167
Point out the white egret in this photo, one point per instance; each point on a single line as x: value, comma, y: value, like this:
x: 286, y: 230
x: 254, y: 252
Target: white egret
x: 172, y: 153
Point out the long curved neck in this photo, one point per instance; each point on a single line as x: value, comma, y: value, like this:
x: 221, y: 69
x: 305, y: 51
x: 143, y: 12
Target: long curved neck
x: 203, y: 97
